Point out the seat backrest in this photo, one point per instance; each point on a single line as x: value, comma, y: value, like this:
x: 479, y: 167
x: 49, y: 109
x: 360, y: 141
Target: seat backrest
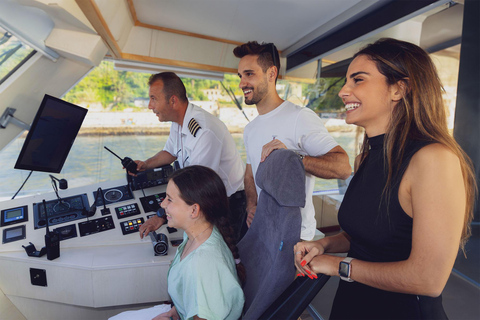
x: 266, y: 249
x: 295, y: 299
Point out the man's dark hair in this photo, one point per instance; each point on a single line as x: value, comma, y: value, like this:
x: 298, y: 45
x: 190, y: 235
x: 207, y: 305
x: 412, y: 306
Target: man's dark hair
x: 267, y: 54
x: 172, y: 85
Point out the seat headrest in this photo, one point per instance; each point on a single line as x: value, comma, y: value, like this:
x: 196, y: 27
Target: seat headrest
x: 282, y: 176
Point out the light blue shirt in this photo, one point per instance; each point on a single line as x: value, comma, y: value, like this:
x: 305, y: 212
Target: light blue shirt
x: 205, y: 282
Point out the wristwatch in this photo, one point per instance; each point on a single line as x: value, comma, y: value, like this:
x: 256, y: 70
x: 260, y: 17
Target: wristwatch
x: 301, y: 156
x: 161, y: 213
x: 345, y: 269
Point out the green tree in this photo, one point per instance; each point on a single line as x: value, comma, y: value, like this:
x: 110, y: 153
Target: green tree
x: 323, y: 95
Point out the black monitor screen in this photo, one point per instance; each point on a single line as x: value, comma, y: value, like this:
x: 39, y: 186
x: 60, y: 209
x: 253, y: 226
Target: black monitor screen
x: 51, y: 136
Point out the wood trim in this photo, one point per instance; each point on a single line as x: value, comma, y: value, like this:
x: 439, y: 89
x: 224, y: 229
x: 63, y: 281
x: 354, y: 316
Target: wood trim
x: 302, y: 80
x: 138, y: 23
x: 186, y: 33
x: 93, y: 14
x: 177, y: 63
x: 131, y: 7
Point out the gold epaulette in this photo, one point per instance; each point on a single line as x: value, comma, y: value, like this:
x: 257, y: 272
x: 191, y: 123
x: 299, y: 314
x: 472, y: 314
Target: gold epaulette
x: 193, y: 127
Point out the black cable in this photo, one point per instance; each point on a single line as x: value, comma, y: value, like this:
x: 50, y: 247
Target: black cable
x: 22, y: 185
x: 99, y: 190
x: 55, y: 188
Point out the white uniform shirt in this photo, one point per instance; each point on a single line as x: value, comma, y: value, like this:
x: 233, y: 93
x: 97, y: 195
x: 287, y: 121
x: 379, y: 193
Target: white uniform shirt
x: 302, y: 131
x: 212, y: 146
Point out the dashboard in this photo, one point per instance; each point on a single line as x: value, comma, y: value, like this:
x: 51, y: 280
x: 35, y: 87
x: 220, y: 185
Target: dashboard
x: 102, y: 261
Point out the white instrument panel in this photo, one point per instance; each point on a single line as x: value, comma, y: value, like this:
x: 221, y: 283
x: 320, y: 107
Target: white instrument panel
x: 104, y: 269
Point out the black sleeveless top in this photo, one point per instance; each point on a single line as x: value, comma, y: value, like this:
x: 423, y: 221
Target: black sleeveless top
x: 379, y: 235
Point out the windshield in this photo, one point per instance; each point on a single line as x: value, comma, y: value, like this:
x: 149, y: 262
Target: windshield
x: 13, y: 53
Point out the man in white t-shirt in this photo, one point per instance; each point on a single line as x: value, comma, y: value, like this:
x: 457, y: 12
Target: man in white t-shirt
x: 281, y: 124
x: 196, y: 138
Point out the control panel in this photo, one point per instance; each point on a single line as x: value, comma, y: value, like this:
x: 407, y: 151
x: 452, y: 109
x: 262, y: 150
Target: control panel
x: 113, y: 195
x: 60, y: 210
x: 66, y: 232
x: 14, y: 216
x: 152, y: 203
x: 97, y: 225
x: 78, y: 223
x: 127, y: 211
x: 131, y: 226
x: 13, y: 234
x: 150, y: 178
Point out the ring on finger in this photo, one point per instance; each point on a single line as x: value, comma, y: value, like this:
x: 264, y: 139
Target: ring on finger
x: 298, y: 252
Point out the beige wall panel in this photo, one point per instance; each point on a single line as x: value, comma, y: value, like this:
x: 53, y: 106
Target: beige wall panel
x: 84, y: 47
x: 139, y: 41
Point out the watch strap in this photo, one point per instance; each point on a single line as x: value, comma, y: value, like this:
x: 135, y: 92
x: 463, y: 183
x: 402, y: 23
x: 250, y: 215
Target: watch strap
x: 346, y: 277
x: 161, y: 213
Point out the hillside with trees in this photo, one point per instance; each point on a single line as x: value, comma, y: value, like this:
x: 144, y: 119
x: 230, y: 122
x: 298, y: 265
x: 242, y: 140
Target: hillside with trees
x: 116, y: 90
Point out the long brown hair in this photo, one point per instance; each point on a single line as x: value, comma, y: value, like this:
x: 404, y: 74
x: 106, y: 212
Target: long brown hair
x: 420, y: 115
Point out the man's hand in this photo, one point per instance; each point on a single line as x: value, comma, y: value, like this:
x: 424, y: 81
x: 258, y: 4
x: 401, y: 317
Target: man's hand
x: 141, y: 166
x: 250, y: 215
x: 269, y: 147
x: 150, y: 225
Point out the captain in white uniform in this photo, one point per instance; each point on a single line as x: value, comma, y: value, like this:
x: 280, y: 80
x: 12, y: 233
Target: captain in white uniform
x: 196, y: 138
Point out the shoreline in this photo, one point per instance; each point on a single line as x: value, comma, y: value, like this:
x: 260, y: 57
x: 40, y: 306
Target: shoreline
x: 117, y: 131
x: 125, y: 131
x: 162, y: 131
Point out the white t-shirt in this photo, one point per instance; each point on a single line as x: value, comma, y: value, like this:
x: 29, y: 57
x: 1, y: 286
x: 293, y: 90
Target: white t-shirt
x: 212, y: 146
x: 302, y: 131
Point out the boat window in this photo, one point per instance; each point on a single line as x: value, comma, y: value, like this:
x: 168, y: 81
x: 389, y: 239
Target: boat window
x: 119, y: 118
x: 13, y: 53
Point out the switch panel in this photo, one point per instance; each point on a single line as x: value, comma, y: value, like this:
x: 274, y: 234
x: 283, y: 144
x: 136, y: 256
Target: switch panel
x: 94, y: 226
x: 127, y: 210
x: 131, y: 226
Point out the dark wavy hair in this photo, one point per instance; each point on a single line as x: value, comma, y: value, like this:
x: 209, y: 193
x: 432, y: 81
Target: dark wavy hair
x: 172, y: 85
x: 201, y: 185
x: 267, y: 54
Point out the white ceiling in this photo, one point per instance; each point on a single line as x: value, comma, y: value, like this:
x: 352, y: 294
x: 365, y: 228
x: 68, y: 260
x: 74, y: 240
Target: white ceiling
x: 283, y: 22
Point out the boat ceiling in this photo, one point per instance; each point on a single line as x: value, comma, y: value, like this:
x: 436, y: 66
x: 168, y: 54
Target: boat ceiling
x: 201, y: 34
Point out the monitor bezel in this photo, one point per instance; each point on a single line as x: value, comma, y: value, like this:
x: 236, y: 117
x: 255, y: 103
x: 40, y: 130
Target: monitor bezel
x: 20, y: 160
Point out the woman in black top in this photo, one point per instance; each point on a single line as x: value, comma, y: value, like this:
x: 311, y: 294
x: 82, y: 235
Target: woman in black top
x: 409, y: 205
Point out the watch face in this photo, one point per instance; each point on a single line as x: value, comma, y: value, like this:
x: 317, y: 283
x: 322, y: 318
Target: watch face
x: 344, y: 267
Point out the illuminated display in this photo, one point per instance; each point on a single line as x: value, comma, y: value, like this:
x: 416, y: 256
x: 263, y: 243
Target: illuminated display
x: 14, y: 215
x: 13, y: 234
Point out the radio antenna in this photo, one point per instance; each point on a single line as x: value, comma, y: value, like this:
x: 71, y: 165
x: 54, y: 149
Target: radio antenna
x: 46, y: 214
x: 127, y: 163
x: 113, y: 153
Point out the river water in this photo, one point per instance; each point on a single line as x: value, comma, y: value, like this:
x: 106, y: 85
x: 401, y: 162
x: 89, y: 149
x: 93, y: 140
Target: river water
x: 89, y: 163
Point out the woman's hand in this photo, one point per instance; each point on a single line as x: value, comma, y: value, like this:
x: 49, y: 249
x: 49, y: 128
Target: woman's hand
x: 305, y: 251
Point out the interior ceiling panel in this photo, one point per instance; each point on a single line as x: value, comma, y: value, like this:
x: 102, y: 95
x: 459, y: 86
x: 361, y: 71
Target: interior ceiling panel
x: 282, y: 22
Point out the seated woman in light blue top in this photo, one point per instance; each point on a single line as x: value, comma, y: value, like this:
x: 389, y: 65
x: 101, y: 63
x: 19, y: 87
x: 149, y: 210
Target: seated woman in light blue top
x: 202, y: 280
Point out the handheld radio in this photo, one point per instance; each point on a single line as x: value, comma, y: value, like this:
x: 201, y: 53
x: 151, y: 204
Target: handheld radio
x: 127, y: 162
x: 52, y: 239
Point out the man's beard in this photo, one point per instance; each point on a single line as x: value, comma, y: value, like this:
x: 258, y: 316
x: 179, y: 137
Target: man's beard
x: 257, y: 94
